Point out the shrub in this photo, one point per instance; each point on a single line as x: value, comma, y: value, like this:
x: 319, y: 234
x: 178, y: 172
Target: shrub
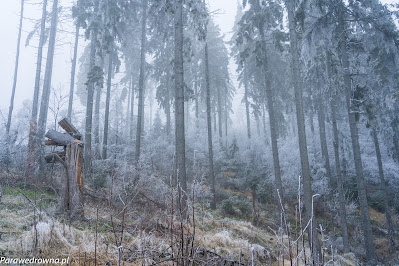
x: 99, y: 180
x: 264, y: 192
x: 236, y: 206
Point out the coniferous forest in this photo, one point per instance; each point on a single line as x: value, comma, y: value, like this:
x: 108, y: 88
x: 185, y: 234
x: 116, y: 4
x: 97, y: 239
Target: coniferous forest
x: 145, y: 132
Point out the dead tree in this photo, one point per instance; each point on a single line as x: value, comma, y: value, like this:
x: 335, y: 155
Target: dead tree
x: 71, y: 157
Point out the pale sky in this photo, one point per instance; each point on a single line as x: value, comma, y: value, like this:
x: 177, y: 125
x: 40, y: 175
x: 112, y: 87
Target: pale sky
x: 9, y: 20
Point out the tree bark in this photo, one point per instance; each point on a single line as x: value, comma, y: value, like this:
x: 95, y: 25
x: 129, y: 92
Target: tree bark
x: 30, y: 165
x: 167, y: 106
x: 257, y: 120
x: 384, y: 190
x: 14, y: 85
x: 226, y: 114
x: 196, y: 106
x: 214, y: 118
x: 48, y: 73
x: 96, y: 130
x: 127, y: 121
x: 264, y: 124
x: 187, y: 116
x: 303, y: 149
x: 140, y: 116
x: 151, y: 99
x: 73, y: 70
x: 395, y: 141
x: 209, y: 123
x: 131, y: 108
x: 107, y: 103
x: 323, y: 138
x: 61, y: 138
x: 366, y: 225
x: 90, y: 96
x: 272, y: 120
x: 97, y: 119
x: 220, y: 112
x: 69, y: 128
x: 179, y: 105
x: 341, y: 193
x: 311, y: 110
x: 71, y: 199
x: 247, y: 103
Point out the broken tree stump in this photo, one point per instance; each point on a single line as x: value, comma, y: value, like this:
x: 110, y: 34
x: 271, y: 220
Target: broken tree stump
x: 73, y: 165
x: 71, y: 157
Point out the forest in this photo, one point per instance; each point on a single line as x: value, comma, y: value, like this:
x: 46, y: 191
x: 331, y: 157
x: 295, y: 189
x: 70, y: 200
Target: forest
x: 174, y: 141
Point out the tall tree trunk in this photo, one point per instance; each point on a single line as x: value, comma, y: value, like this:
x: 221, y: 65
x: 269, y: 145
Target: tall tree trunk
x: 131, y: 108
x: 96, y: 130
x: 30, y: 164
x: 396, y: 145
x: 44, y: 104
x: 179, y: 105
x: 220, y: 112
x: 90, y: 97
x: 97, y: 121
x: 187, y: 116
x: 127, y: 122
x: 226, y: 114
x: 273, y: 134
x: 264, y: 124
x: 167, y: 106
x: 303, y: 149
x: 209, y: 122
x: 151, y: 98
x: 323, y: 138
x: 311, y: 110
x: 247, y: 102
x: 73, y: 70
x: 107, y: 102
x: 257, y: 120
x: 14, y: 85
x: 272, y: 120
x: 384, y: 190
x: 214, y: 118
x: 395, y: 140
x: 341, y: 193
x: 140, y: 116
x: 366, y: 225
x: 48, y: 73
x: 196, y: 106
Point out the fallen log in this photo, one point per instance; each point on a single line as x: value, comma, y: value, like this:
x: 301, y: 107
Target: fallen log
x: 68, y: 127
x: 61, y: 138
x: 51, y: 142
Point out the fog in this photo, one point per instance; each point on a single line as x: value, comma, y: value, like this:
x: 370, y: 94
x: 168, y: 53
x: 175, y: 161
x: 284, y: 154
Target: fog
x: 190, y: 132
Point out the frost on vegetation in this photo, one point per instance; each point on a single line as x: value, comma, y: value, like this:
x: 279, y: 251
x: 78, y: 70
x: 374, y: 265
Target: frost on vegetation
x: 151, y: 186
x: 148, y: 243
x: 52, y: 236
x: 224, y: 243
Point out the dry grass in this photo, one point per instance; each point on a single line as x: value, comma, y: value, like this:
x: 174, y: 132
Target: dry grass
x: 225, y: 238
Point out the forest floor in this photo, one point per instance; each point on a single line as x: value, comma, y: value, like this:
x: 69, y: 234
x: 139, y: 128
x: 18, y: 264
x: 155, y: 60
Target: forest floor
x: 29, y: 226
